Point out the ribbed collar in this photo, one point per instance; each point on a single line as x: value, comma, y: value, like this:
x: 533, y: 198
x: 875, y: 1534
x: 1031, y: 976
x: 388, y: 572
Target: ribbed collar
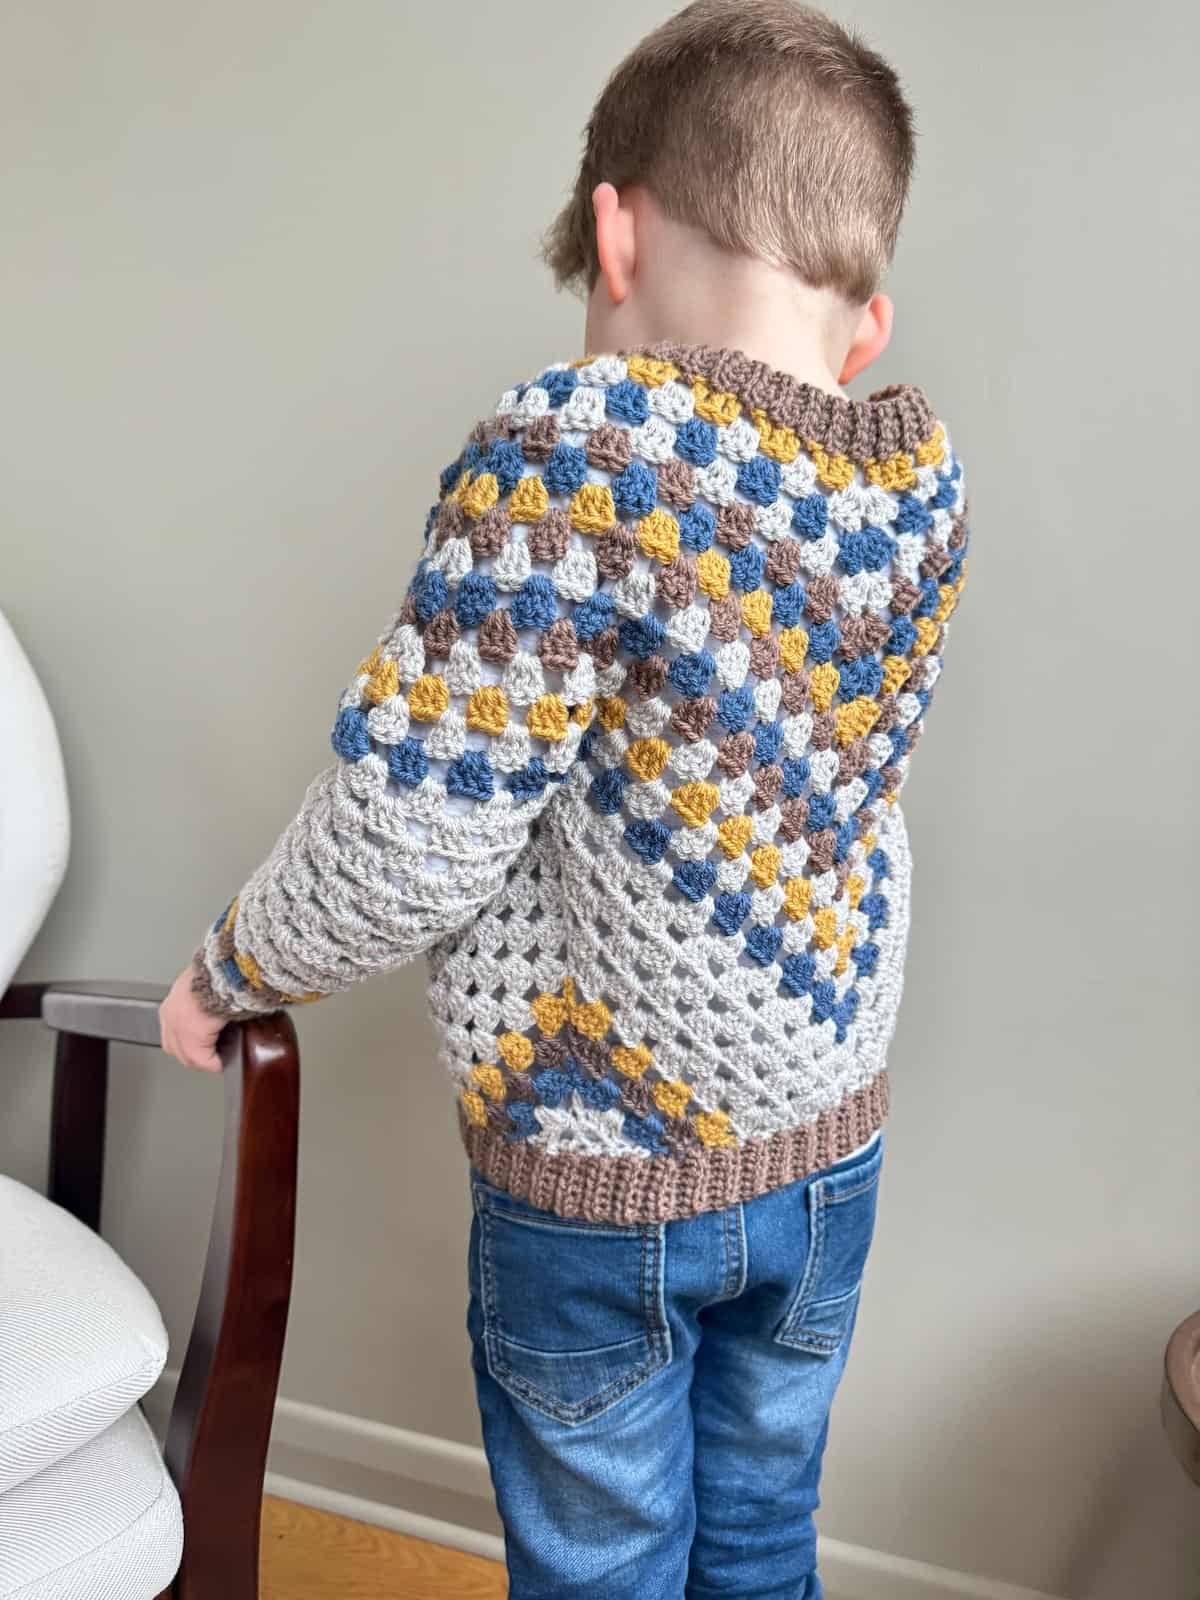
x: 897, y: 418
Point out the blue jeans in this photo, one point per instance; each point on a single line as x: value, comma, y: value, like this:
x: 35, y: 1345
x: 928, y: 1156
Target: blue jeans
x: 655, y: 1398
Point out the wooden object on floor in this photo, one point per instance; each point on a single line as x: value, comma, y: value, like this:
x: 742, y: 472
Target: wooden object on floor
x: 1181, y: 1395
x: 313, y: 1555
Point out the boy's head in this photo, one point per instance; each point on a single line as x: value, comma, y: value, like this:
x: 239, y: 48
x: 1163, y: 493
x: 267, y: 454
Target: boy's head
x: 761, y: 126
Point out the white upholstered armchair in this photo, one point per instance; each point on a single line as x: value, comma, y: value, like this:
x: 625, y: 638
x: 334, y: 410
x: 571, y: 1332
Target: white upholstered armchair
x: 89, y: 1508
x: 35, y: 829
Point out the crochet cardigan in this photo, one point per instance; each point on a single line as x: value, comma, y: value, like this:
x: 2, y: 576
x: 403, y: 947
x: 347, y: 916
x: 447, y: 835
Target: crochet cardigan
x: 625, y: 765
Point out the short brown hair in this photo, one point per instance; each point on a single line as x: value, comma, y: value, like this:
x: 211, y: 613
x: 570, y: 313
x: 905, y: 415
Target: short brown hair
x: 767, y: 125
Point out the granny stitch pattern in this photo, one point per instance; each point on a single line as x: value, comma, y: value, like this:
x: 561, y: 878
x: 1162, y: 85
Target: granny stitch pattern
x: 626, y: 765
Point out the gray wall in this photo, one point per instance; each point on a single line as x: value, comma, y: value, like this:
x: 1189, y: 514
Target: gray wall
x: 262, y: 264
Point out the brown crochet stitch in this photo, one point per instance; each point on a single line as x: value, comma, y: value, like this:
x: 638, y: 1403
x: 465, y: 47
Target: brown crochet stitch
x: 625, y: 1189
x: 896, y: 418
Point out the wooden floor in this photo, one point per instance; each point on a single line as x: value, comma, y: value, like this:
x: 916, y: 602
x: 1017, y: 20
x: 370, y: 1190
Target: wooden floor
x: 312, y: 1555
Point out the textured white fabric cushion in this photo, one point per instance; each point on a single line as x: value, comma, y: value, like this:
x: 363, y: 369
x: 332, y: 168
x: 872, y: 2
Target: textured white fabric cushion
x: 102, y: 1524
x: 80, y: 1338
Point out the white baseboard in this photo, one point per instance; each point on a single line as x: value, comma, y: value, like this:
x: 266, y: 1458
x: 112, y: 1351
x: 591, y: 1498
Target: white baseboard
x: 854, y: 1572
x: 385, y: 1516
x: 850, y: 1572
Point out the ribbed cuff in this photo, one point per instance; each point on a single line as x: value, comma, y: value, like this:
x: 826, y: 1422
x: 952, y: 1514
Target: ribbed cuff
x: 221, y: 982
x: 214, y: 1001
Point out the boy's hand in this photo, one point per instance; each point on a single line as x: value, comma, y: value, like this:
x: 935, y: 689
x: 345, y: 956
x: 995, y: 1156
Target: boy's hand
x: 189, y: 1033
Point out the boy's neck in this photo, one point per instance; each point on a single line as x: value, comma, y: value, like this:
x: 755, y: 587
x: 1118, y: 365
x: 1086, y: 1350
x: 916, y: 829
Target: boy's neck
x: 786, y: 345
x: 689, y: 292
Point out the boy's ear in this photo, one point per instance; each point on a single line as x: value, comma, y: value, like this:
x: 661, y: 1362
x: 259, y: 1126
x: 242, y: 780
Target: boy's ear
x: 871, y: 339
x: 615, y: 241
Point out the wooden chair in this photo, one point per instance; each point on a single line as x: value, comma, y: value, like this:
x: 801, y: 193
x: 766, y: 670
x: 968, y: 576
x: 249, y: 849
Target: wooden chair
x: 1181, y: 1394
x: 220, y: 1425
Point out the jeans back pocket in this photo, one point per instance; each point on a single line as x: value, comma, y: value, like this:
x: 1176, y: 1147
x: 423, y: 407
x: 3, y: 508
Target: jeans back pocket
x: 573, y: 1314
x: 841, y: 1216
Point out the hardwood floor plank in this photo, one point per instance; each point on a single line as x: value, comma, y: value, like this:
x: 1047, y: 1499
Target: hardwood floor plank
x: 308, y: 1554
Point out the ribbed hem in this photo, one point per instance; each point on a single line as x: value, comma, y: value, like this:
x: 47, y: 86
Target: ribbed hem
x: 631, y: 1189
x: 897, y: 418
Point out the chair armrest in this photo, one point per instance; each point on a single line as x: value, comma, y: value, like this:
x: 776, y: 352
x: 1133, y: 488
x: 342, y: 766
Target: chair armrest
x: 122, y: 1013
x: 220, y: 1422
x: 86, y: 1017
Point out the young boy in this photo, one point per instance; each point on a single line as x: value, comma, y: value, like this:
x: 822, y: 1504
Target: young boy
x: 626, y: 766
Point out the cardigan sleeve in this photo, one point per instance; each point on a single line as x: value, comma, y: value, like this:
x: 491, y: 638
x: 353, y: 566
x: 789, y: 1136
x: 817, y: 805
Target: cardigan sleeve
x: 455, y: 733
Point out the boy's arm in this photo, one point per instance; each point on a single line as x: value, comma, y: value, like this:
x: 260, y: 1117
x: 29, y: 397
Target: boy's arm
x: 454, y: 734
